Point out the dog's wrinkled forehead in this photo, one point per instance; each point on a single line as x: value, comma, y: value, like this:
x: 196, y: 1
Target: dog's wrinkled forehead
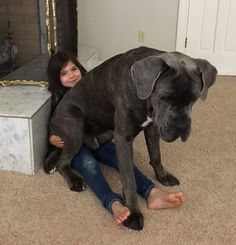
x: 179, y: 61
x: 184, y: 84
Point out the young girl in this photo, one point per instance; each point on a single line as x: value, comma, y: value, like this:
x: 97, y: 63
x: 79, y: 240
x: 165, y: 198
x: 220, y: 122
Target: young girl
x: 64, y: 71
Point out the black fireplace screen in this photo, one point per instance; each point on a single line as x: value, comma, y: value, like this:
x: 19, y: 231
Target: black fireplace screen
x: 61, y: 20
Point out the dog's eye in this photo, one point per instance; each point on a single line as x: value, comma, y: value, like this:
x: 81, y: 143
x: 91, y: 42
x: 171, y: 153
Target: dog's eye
x: 167, y: 99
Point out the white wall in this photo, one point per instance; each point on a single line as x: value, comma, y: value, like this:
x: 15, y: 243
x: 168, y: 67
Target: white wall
x: 113, y: 25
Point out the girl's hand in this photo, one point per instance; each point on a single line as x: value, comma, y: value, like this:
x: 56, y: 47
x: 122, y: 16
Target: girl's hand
x: 56, y: 141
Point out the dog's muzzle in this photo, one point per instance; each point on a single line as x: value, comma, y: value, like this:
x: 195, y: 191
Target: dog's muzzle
x: 170, y: 135
x: 170, y: 131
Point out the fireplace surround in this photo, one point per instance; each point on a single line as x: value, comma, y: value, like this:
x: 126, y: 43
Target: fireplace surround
x: 24, y: 97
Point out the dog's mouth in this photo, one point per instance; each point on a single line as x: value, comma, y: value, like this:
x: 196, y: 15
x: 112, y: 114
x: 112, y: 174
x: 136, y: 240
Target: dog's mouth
x: 167, y: 135
x: 170, y: 135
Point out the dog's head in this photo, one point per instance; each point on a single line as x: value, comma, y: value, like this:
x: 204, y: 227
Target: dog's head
x: 172, y: 82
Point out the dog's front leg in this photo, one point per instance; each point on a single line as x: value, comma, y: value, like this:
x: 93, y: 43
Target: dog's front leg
x: 153, y: 145
x: 125, y: 163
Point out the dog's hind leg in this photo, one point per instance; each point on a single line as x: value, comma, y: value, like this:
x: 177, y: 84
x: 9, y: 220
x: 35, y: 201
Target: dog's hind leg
x: 72, y: 135
x: 153, y: 144
x: 73, y: 179
x: 49, y: 164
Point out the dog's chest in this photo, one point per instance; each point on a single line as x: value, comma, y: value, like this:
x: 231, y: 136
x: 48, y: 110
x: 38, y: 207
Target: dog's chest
x: 147, y: 122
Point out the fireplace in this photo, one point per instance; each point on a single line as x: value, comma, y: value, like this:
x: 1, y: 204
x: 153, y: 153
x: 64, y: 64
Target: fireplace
x: 25, y: 107
x: 37, y: 27
x: 8, y: 51
x: 24, y: 20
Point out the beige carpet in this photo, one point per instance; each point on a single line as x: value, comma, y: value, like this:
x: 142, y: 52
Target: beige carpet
x: 41, y: 210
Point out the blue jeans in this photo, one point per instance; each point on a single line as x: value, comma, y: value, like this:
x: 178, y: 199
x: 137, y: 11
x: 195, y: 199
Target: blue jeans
x: 87, y: 163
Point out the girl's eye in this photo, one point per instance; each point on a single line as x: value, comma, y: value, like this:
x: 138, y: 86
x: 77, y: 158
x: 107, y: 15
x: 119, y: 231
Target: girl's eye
x: 75, y: 68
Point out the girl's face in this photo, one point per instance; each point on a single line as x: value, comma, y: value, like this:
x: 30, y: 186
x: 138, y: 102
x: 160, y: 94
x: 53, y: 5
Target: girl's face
x: 70, y: 75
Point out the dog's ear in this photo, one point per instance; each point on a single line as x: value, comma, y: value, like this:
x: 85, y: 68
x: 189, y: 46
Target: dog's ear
x: 208, y: 73
x: 145, y: 73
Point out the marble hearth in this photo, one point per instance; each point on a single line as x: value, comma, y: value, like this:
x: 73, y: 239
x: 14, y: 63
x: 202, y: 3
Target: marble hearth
x: 24, y: 114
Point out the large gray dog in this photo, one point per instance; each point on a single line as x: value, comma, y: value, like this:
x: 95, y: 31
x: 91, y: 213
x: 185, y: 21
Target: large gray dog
x: 142, y: 89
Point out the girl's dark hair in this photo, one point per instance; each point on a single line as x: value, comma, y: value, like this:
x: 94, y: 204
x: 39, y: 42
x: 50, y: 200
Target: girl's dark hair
x: 56, y: 62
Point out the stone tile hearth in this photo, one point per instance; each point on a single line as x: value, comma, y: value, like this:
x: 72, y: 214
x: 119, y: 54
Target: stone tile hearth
x: 24, y: 114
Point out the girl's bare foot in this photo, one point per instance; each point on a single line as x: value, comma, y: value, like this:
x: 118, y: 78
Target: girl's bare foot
x: 159, y: 199
x: 120, y: 212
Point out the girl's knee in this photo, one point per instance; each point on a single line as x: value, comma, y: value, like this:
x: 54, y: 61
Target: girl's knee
x: 90, y: 166
x: 84, y: 161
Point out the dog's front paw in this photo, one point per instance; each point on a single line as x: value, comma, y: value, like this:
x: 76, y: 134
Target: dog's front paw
x: 134, y: 221
x: 168, y: 180
x: 49, y: 168
x: 78, y: 185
